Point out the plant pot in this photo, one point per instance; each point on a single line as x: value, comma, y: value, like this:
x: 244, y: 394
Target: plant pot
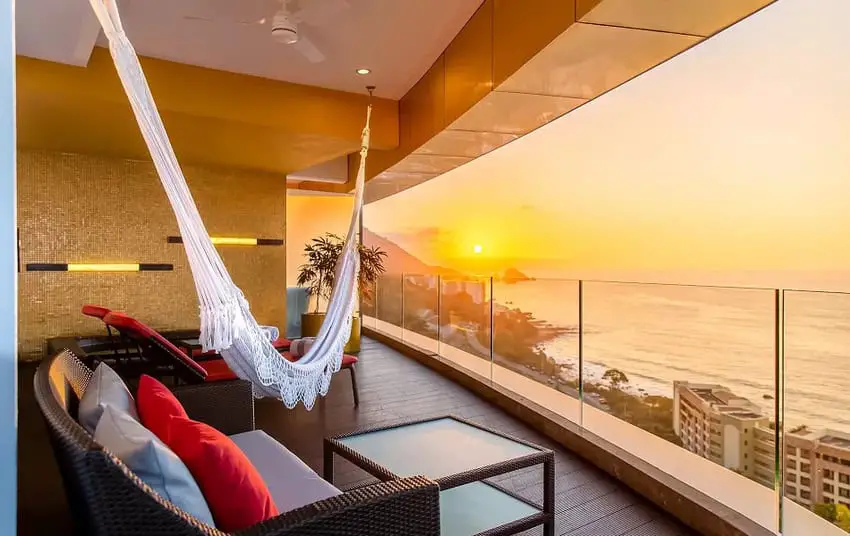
x: 311, y: 322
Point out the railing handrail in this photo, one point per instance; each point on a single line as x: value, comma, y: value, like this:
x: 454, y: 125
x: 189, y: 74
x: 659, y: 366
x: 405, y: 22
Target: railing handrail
x: 495, y: 278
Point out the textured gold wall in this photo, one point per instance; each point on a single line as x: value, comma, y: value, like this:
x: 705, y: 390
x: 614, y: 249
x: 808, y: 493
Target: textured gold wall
x: 77, y: 208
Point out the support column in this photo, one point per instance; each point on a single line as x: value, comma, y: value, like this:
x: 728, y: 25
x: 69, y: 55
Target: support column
x: 8, y: 275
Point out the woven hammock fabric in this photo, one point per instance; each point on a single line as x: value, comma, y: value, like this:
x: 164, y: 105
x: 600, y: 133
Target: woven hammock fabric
x: 227, y: 325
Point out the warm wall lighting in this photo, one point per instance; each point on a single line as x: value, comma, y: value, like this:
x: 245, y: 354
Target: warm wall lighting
x: 234, y: 241
x: 363, y: 71
x: 225, y: 241
x: 103, y: 267
x: 99, y: 267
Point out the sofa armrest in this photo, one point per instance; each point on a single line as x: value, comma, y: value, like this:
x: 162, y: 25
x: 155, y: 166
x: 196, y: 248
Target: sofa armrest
x: 227, y: 406
x: 403, y: 507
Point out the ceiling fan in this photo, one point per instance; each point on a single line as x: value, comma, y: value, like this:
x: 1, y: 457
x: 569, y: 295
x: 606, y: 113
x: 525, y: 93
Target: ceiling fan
x: 287, y: 25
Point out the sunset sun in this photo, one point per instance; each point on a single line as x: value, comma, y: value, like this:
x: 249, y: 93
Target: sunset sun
x: 477, y: 249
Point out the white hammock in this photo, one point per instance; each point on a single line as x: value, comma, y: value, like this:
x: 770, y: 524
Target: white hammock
x: 227, y: 325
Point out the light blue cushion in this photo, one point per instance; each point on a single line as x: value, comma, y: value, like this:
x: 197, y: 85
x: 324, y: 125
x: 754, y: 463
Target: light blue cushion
x: 297, y: 301
x: 291, y: 482
x: 105, y: 388
x: 152, y: 461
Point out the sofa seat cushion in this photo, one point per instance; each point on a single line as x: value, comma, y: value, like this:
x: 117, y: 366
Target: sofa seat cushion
x: 291, y: 481
x: 105, y: 388
x: 152, y: 461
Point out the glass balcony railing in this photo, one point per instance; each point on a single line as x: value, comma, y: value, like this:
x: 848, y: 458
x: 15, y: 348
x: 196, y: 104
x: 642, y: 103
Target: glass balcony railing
x: 389, y: 298
x: 712, y: 385
x: 815, y: 400
x: 368, y: 306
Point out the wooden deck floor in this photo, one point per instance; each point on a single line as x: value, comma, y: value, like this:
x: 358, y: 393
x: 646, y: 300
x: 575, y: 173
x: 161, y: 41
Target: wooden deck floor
x: 393, y: 388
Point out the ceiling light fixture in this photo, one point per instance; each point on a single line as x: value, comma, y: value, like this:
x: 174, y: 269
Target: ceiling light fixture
x: 363, y: 72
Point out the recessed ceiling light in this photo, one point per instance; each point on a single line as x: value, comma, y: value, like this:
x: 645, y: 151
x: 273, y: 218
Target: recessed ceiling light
x: 364, y: 71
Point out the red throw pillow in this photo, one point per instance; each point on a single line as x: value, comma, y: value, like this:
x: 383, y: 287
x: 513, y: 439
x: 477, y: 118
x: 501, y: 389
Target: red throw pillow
x: 156, y: 405
x: 234, y: 490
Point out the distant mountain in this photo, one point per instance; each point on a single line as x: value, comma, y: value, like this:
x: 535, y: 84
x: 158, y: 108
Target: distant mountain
x: 512, y: 275
x: 400, y: 261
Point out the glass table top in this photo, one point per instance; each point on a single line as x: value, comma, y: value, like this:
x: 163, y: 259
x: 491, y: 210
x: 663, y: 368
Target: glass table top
x: 477, y: 507
x: 435, y: 449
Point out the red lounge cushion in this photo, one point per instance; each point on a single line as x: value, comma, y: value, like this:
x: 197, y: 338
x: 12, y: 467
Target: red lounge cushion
x: 346, y: 358
x: 133, y: 328
x: 233, y: 488
x: 197, y: 352
x: 217, y: 370
x: 156, y: 405
x: 95, y: 311
x: 281, y: 343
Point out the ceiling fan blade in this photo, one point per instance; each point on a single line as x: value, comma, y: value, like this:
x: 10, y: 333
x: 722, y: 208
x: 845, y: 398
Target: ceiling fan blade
x: 308, y: 50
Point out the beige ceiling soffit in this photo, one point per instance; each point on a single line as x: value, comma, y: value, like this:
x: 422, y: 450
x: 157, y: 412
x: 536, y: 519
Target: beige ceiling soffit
x: 499, y: 38
x: 333, y: 171
x: 313, y: 193
x: 605, y: 44
x: 701, y: 18
x: 213, y: 118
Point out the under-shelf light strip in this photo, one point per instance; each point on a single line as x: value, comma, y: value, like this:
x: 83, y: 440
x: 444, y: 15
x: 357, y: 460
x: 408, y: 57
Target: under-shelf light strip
x: 99, y: 267
x: 234, y: 241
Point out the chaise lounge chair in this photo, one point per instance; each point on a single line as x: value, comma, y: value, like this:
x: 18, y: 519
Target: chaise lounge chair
x: 160, y: 351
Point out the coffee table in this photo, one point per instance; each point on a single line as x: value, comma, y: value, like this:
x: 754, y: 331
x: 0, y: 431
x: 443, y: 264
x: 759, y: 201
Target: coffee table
x: 458, y: 455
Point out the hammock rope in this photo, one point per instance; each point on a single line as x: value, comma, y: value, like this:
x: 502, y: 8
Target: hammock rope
x: 227, y: 325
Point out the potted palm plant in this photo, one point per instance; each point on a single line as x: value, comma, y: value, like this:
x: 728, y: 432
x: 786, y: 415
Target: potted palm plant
x: 317, y: 275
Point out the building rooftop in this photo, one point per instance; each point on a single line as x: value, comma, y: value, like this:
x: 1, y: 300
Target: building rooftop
x: 709, y: 395
x: 835, y: 441
x: 746, y: 414
x: 724, y: 401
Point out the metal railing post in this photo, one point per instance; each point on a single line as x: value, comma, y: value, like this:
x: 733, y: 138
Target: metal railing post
x: 779, y: 404
x: 581, y: 352
x: 402, y: 306
x: 492, y: 328
x: 439, y: 311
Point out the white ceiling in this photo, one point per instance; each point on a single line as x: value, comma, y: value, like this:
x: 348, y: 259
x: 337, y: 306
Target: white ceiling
x: 397, y: 39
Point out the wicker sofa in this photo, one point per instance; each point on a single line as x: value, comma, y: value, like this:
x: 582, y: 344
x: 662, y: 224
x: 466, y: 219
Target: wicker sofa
x: 106, y: 498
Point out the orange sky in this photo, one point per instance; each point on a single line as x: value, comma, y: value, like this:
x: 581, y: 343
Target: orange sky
x: 308, y: 217
x: 733, y: 156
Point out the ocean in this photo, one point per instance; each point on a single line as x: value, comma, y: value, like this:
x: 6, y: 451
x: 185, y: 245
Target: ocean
x: 657, y: 334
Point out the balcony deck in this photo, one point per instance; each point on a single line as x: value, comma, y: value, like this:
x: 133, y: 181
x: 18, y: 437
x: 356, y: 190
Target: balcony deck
x: 393, y: 388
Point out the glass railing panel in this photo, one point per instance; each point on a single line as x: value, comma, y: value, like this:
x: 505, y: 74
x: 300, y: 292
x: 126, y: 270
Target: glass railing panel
x: 368, y: 305
x: 421, y: 302
x: 388, y: 304
x: 817, y: 421
x: 683, y: 377
x: 464, y: 323
x: 535, y: 342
